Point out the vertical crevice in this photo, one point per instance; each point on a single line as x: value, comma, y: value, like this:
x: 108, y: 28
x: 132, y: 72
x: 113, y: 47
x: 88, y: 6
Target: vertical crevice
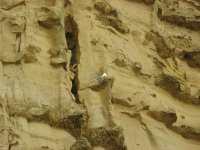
x: 71, y: 35
x: 18, y: 43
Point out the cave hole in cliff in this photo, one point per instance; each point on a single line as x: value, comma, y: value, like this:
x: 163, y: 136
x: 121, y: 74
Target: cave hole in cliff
x: 71, y: 35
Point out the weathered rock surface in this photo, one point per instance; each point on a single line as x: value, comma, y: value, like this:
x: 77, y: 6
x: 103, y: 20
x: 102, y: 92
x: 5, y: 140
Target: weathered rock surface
x: 99, y: 75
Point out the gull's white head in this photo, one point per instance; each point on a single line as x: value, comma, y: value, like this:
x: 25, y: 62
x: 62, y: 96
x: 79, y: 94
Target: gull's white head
x: 104, y: 75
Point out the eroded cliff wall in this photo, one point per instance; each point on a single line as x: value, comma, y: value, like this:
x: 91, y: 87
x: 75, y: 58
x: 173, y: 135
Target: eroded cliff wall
x: 99, y: 74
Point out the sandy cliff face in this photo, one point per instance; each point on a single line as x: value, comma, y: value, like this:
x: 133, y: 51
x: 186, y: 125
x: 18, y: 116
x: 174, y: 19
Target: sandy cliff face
x: 99, y: 74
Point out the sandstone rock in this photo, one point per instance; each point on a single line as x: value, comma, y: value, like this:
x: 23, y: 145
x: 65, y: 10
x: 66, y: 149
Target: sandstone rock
x: 162, y: 48
x: 192, y: 58
x: 81, y: 144
x: 190, y: 20
x: 99, y: 74
x: 109, y: 16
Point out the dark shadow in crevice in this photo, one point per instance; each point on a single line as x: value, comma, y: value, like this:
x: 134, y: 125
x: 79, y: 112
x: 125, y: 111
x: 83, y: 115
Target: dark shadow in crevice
x: 71, y: 35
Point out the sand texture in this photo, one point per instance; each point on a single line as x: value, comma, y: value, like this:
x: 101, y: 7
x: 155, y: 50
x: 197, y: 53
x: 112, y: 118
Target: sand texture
x: 99, y: 75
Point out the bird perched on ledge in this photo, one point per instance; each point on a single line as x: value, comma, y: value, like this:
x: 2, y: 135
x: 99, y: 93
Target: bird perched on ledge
x: 103, y: 76
x: 101, y: 81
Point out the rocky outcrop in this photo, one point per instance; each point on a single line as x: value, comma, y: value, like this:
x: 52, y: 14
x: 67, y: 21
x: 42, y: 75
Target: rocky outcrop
x: 162, y: 48
x: 176, y: 88
x: 192, y: 58
x: 81, y: 144
x: 99, y: 74
x: 174, y: 12
x: 109, y: 16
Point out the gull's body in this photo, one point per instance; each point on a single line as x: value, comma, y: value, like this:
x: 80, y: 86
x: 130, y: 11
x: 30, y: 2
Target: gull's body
x: 104, y: 75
